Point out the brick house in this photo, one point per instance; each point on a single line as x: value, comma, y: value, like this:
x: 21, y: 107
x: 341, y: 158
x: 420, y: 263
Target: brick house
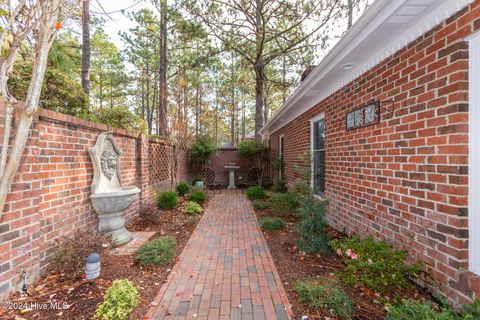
x: 392, y: 119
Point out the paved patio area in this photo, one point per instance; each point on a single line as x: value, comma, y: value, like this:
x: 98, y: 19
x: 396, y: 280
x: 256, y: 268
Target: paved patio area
x: 225, y: 271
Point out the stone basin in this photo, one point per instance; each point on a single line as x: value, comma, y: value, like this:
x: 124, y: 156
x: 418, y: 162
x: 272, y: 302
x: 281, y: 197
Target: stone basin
x: 111, y: 218
x: 109, y: 198
x: 114, y: 200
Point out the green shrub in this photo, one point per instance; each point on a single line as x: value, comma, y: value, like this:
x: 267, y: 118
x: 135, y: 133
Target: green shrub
x: 167, y: 200
x: 191, y: 207
x: 260, y: 204
x: 119, y: 301
x: 312, y: 228
x: 272, y: 223
x: 283, y: 203
x: 256, y: 193
x: 182, y: 188
x: 157, y: 251
x: 199, y: 196
x: 279, y: 186
x: 374, y: 263
x: 326, y: 295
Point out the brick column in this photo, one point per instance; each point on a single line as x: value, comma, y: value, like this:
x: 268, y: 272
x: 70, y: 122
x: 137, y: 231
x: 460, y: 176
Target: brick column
x: 143, y: 157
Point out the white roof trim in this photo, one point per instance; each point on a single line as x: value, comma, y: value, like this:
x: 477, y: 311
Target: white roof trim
x: 368, y: 25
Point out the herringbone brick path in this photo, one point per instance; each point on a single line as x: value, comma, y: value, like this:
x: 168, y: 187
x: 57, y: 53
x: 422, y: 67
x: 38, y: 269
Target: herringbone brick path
x: 225, y: 271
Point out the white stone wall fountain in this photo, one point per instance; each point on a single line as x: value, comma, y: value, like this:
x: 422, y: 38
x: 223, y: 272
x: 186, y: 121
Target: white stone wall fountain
x: 109, y: 198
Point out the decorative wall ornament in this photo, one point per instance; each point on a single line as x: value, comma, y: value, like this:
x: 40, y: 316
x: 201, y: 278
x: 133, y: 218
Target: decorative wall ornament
x: 364, y: 116
x: 109, y: 197
x: 108, y: 163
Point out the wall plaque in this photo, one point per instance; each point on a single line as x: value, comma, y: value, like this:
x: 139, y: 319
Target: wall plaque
x: 367, y: 115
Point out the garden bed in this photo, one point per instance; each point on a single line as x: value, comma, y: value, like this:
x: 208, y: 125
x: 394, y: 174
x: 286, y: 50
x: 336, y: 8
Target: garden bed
x: 84, y: 296
x: 293, y: 265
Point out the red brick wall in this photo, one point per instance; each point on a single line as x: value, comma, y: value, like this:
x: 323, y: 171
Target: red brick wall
x: 224, y: 157
x: 405, y: 179
x: 50, y: 196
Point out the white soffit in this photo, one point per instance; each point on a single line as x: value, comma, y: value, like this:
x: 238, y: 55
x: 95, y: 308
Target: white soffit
x: 386, y: 27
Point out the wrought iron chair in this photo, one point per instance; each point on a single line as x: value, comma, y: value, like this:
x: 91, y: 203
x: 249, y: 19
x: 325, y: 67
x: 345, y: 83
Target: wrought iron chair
x: 209, y: 178
x: 253, y: 175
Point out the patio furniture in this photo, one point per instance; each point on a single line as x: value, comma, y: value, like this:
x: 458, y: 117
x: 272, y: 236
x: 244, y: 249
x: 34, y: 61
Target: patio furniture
x: 253, y: 175
x: 209, y: 178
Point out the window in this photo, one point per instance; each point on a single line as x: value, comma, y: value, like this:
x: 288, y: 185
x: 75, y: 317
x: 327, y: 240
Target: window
x: 474, y: 156
x: 281, y: 156
x: 318, y: 155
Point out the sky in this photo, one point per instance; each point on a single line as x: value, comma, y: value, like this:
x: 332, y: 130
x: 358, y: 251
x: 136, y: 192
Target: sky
x: 116, y: 21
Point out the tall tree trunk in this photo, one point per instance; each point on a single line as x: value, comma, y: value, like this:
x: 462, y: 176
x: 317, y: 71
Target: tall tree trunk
x: 147, y: 99
x: 234, y: 111
x: 197, y: 107
x: 101, y: 88
x: 284, y: 79
x: 244, y: 122
x: 216, y: 117
x: 259, y: 69
x: 162, y: 112
x: 86, y: 47
x: 259, y: 93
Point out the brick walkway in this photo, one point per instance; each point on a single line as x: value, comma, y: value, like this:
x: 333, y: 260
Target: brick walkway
x: 225, y: 271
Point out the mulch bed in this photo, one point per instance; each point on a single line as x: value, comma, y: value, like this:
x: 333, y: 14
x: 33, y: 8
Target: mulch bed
x: 293, y: 265
x: 84, y: 296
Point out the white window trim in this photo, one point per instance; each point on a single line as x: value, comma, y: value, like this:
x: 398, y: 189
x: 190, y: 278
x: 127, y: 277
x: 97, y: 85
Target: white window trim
x: 312, y: 121
x: 474, y: 155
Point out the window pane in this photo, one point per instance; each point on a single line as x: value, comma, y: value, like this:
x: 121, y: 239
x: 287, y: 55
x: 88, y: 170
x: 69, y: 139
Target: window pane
x: 319, y: 172
x: 319, y: 135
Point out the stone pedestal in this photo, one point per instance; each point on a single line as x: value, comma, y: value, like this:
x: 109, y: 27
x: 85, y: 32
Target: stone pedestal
x: 231, y: 180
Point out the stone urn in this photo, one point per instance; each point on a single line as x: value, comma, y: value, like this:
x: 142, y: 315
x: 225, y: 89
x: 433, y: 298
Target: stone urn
x: 109, y: 198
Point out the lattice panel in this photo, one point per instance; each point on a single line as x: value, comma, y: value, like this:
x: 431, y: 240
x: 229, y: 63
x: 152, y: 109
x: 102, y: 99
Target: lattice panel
x: 158, y: 163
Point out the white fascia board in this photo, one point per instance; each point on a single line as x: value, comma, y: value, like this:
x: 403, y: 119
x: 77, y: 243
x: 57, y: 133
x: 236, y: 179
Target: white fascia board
x: 374, y: 17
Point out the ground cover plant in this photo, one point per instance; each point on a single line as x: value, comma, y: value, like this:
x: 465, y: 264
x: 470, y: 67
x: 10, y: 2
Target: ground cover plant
x: 120, y: 300
x: 158, y: 251
x: 274, y: 223
x: 192, y: 208
x: 326, y: 294
x: 260, y: 204
x: 373, y: 263
x: 426, y: 310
